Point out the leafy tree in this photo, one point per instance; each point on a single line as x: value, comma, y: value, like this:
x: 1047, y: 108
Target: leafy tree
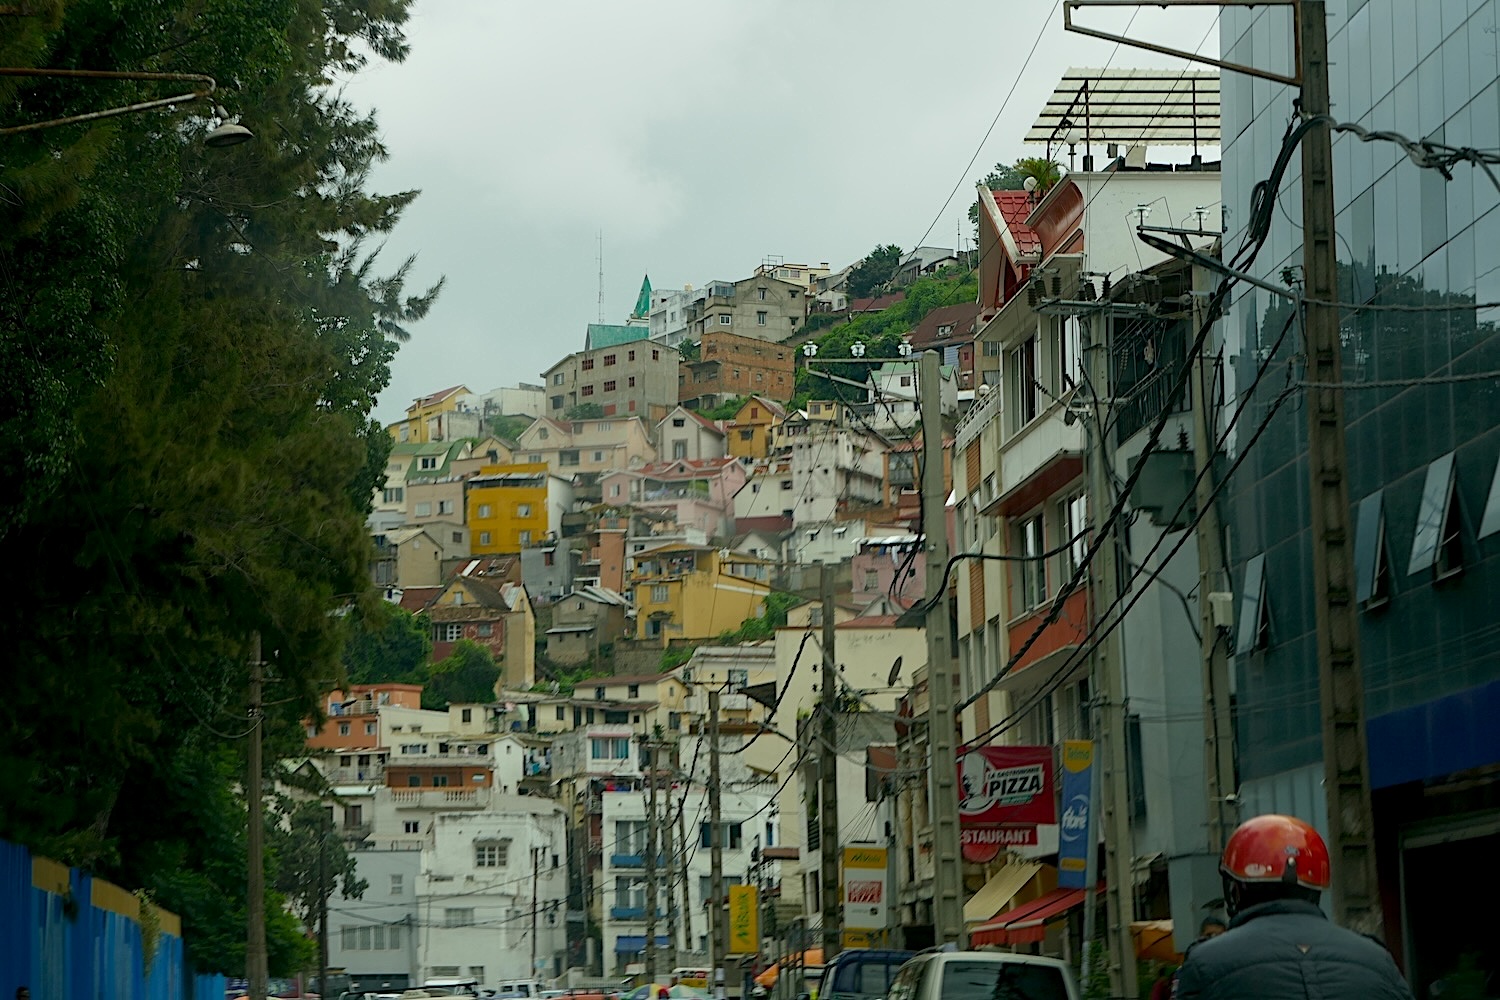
x: 508, y: 426
x: 302, y: 848
x: 877, y: 268
x: 191, y: 343
x: 689, y: 350
x: 584, y: 411
x: 469, y: 673
x: 390, y: 646
x: 1012, y: 177
x: 728, y: 408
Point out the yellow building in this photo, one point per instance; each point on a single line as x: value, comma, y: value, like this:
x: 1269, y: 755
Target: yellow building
x: 424, y: 419
x: 513, y: 506
x: 696, y: 591
x: 748, y: 433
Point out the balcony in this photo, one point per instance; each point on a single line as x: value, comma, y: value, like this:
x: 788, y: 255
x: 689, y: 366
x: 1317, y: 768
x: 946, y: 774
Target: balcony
x: 632, y: 913
x: 358, y: 831
x: 440, y: 798
x: 627, y: 860
x: 1037, y: 461
x: 366, y: 775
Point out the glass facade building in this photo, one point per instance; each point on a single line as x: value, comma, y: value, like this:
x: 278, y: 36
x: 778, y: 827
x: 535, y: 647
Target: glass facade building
x: 1423, y: 446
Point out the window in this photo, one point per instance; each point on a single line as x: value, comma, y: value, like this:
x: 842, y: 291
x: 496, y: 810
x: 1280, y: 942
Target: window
x: 476, y: 973
x: 407, y: 826
x: 1437, y: 543
x: 872, y: 580
x: 483, y: 511
x: 614, y: 489
x: 523, y: 510
x: 588, y: 364
x: 598, y: 456
x: 394, y: 494
x: 748, y: 436
x: 398, y: 886
x: 609, y: 385
x: 413, y: 781
x: 523, y: 538
x: 1255, y: 615
x: 369, y: 729
x: 760, y: 293
x: 634, y: 691
x: 1372, y: 569
x: 350, y: 937
x: 630, y: 382
x: 467, y: 715
x: 679, y: 449
x: 449, y: 632
x: 723, y: 319
x: 660, y: 593
x: 491, y: 853
x: 631, y: 408
x: 534, y: 459
x: 1068, y: 368
x: 562, y: 713
x: 609, y: 360
x: 760, y: 376
x: 598, y: 694
x: 1032, y: 570
x: 567, y: 458
x: 413, y: 748
x: 484, y: 538
x: 760, y: 317
x: 674, y: 720
x: 458, y: 917
x: 1022, y: 384
x: 786, y: 484
x: 458, y: 537
x: 905, y: 381
x: 424, y: 509
x: 630, y: 356
x: 679, y: 421
x: 343, y: 729
x: 557, y: 379
x: 587, y: 390
x: 445, y: 972
x: 609, y: 747
x: 557, y: 401
x: 656, y: 355
x: 1074, y: 517
x: 427, y: 462
x: 484, y: 630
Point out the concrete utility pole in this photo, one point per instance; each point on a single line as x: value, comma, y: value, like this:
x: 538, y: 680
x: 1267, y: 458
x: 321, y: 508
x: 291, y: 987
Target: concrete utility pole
x: 536, y: 874
x: 828, y: 775
x: 1108, y: 667
x: 1346, y: 768
x: 324, y: 889
x: 717, y: 935
x: 1218, y: 726
x: 947, y: 871
x: 651, y: 892
x: 255, y: 882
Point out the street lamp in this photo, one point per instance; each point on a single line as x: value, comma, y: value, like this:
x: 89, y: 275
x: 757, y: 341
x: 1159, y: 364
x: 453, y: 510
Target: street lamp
x: 809, y: 350
x: 905, y: 349
x: 857, y: 349
x: 226, y: 134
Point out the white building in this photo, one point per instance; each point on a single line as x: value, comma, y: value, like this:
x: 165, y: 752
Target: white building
x: 893, y: 398
x: 836, y: 472
x: 521, y: 400
x: 492, y: 893
x: 374, y: 937
x: 668, y: 317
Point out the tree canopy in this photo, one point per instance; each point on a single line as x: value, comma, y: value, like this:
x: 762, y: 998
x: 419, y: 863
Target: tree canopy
x: 191, y: 343
x: 877, y: 268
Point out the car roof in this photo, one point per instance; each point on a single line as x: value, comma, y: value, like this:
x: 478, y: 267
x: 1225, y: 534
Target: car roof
x: 871, y: 954
x: 997, y: 957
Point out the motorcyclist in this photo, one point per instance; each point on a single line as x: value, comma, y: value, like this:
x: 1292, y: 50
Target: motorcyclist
x: 1280, y: 945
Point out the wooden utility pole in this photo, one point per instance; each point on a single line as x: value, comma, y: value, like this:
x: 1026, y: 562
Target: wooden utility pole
x: 669, y: 854
x: 1108, y: 666
x: 1218, y: 726
x: 1346, y: 769
x: 828, y: 775
x: 947, y: 870
x: 718, y: 929
x: 651, y: 893
x: 682, y: 861
x: 255, y: 882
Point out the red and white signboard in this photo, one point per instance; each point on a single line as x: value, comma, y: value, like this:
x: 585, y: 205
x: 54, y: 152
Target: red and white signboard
x: 1004, y: 793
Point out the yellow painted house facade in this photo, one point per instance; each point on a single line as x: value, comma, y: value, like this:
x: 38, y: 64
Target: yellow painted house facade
x: 415, y: 427
x: 507, y: 507
x: 748, y: 433
x: 696, y: 592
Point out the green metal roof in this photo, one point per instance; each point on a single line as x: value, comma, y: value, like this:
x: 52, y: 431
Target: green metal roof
x: 643, y: 301
x: 448, y: 449
x: 610, y: 335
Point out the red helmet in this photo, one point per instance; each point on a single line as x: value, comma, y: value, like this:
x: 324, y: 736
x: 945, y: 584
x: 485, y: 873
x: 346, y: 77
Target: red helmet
x: 1277, y: 849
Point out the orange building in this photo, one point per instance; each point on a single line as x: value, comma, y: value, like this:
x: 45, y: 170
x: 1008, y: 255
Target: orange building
x: 354, y: 716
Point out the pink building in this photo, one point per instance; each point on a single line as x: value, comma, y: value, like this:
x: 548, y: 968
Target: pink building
x: 695, y: 493
x: 876, y: 562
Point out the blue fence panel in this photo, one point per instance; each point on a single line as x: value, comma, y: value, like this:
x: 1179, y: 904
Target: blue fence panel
x: 210, y: 987
x: 165, y: 977
x: 16, y: 919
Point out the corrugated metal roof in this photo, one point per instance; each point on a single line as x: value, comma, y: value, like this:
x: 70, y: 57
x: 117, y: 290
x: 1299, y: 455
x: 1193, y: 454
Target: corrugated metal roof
x: 610, y: 334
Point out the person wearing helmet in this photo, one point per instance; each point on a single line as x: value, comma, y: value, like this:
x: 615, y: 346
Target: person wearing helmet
x: 1279, y: 944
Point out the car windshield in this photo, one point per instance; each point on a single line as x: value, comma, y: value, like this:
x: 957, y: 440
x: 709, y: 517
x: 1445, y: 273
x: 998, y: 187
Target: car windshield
x: 864, y: 978
x: 1002, y: 981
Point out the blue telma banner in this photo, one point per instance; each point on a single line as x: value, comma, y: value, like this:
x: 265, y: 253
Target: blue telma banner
x: 1076, y: 814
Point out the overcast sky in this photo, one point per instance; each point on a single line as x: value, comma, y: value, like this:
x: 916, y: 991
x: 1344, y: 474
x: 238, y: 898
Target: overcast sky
x: 699, y: 138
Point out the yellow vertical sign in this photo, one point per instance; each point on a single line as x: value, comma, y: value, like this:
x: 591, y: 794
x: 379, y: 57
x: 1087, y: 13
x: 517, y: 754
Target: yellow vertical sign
x: 744, y: 920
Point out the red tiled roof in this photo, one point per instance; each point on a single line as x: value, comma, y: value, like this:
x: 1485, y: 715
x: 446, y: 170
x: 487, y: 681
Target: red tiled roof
x: 1015, y: 207
x: 438, y: 396
x: 414, y: 599
x: 876, y: 304
x: 685, y: 466
x: 705, y: 422
x: 960, y: 317
x: 870, y: 621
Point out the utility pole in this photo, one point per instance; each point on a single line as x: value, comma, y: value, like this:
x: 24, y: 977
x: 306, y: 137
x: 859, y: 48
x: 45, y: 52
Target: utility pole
x: 942, y: 772
x: 536, y: 874
x: 717, y: 936
x: 1218, y: 727
x: 1346, y: 769
x: 651, y: 893
x: 828, y: 775
x: 1108, y: 667
x: 324, y: 889
x: 669, y: 853
x: 682, y: 860
x: 255, y: 882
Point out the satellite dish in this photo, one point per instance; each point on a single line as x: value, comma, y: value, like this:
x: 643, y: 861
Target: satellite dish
x: 890, y: 681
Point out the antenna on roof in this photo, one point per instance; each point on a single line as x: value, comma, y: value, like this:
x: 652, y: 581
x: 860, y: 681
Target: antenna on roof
x: 600, y: 258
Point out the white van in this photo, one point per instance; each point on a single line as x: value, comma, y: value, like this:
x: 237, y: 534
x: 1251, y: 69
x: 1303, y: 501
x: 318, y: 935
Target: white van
x: 528, y: 988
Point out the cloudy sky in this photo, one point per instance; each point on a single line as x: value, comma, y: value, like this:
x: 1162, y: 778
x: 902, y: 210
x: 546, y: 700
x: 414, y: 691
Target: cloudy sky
x: 699, y: 138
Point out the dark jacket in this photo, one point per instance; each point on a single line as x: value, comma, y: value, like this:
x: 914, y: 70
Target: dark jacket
x: 1288, y: 950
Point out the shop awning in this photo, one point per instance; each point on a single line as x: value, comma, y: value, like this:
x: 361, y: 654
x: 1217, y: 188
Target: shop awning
x: 1028, y: 923
x: 999, y: 891
x: 1153, y: 940
x: 812, y: 957
x: 632, y: 944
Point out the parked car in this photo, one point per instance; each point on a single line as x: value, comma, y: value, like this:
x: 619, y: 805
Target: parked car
x: 983, y: 975
x: 862, y: 974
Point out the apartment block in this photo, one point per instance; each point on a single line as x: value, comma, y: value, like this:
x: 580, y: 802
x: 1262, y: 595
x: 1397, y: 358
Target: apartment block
x: 635, y: 378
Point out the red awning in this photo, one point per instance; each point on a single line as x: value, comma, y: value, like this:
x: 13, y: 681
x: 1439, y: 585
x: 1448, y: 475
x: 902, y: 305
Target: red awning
x: 1028, y: 922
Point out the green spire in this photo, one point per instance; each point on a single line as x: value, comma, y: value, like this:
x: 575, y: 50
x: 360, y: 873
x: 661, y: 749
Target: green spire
x: 643, y: 301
